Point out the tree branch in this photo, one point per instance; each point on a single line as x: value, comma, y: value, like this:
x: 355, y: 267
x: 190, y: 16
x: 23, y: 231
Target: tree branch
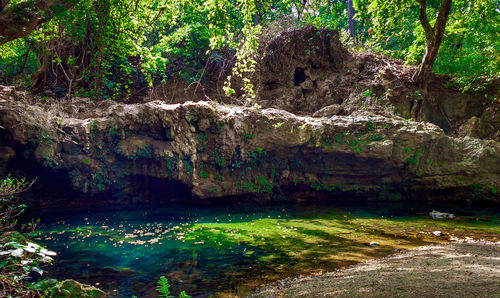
x: 439, y: 27
x: 21, y: 19
x: 424, y: 20
x: 10, y: 187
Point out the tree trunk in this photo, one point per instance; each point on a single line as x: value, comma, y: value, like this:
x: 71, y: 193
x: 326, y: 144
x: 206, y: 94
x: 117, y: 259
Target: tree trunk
x: 433, y: 37
x: 19, y: 20
x: 258, y: 9
x: 351, y: 20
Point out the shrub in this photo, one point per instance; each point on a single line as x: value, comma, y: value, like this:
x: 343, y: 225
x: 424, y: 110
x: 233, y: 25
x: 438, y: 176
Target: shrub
x: 18, y: 255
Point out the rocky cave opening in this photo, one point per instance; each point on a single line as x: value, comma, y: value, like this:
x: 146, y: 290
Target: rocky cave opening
x: 299, y: 76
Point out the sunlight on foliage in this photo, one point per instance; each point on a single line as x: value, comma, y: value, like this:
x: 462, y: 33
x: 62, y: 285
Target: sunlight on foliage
x: 118, y: 49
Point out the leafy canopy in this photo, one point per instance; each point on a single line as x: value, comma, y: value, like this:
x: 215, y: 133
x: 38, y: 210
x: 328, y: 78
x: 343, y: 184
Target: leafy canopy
x: 120, y: 48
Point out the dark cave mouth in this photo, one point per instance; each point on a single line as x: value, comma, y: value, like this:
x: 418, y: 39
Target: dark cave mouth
x: 299, y: 76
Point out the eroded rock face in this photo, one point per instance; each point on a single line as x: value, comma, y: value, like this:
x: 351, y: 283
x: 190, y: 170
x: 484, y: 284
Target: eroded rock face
x: 221, y: 150
x: 306, y: 70
x: 302, y: 71
x: 485, y: 126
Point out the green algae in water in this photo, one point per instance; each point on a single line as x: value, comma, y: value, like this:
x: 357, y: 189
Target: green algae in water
x: 204, y: 251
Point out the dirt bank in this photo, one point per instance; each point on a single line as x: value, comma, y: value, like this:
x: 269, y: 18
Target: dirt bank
x: 442, y: 270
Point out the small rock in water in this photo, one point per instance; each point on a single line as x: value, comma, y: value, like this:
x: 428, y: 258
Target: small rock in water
x: 373, y: 243
x: 437, y: 214
x: 437, y: 233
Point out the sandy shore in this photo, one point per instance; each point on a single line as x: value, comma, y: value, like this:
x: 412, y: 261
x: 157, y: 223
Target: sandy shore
x: 442, y: 270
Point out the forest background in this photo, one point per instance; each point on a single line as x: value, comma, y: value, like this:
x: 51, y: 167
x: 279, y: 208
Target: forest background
x: 119, y: 49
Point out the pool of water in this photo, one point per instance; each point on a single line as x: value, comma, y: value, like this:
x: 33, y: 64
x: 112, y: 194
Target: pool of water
x: 228, y: 250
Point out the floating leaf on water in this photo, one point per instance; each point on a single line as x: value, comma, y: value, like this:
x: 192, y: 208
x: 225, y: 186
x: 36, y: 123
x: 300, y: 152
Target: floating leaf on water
x: 250, y: 252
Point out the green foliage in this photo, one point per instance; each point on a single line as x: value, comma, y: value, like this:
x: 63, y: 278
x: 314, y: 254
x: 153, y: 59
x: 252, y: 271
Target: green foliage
x: 418, y: 95
x: 104, y: 48
x: 202, y: 137
x: 17, y: 58
x: 203, y: 174
x: 20, y: 257
x: 470, y: 46
x: 260, y: 185
x: 369, y: 125
x: 317, y: 185
x: 367, y: 93
x: 67, y: 288
x: 163, y: 289
x: 187, y: 165
x: 414, y: 158
x: 219, y: 127
x: 248, y: 136
x: 172, y: 164
x: 114, y: 49
x: 471, y: 83
x: 203, y: 142
x: 144, y: 152
x: 100, y: 179
x: 348, y: 138
x: 10, y: 208
x: 219, y: 159
x: 114, y: 133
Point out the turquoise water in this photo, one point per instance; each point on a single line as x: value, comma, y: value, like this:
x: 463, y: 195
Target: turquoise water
x: 127, y: 251
x: 202, y: 251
